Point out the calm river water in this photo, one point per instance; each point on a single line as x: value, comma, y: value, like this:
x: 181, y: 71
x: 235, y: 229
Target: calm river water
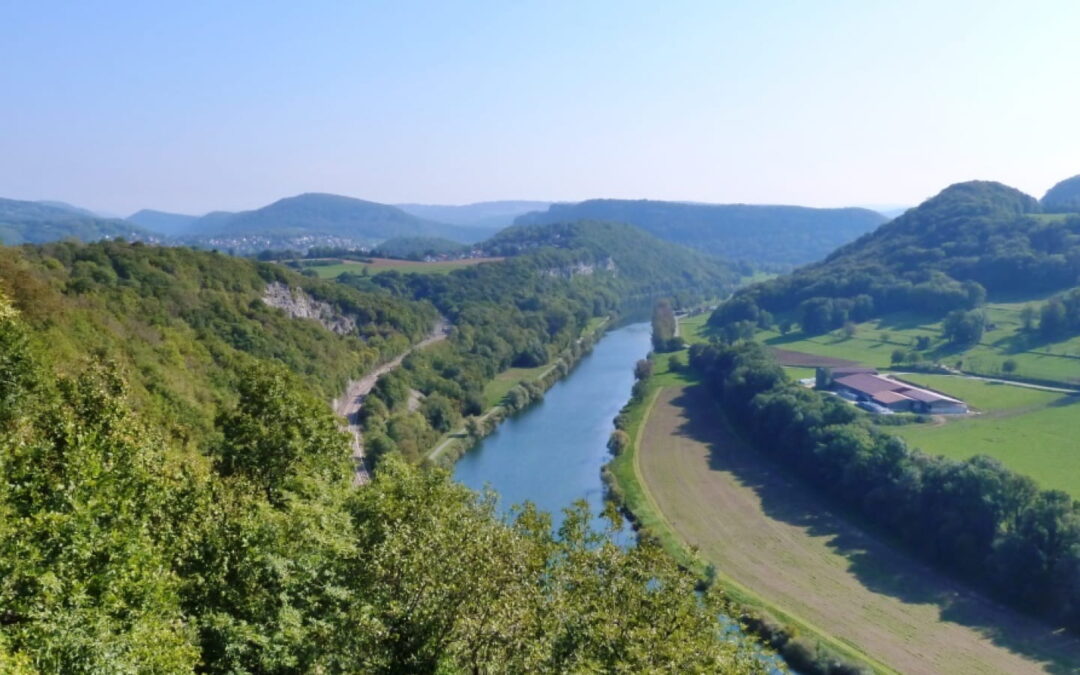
x: 551, y: 453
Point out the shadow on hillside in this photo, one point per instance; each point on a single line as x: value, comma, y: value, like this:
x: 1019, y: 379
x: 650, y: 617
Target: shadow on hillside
x: 877, y: 565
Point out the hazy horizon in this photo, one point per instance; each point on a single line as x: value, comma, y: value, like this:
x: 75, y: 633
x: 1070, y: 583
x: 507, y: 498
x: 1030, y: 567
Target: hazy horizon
x: 123, y: 106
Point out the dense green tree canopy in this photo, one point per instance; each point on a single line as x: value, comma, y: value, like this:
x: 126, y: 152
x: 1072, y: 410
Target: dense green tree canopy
x: 118, y: 554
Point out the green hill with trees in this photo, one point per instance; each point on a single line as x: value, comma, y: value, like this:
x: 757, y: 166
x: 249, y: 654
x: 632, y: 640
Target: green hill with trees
x: 970, y: 241
x: 1063, y: 197
x: 23, y: 222
x: 764, y: 237
x: 183, y: 324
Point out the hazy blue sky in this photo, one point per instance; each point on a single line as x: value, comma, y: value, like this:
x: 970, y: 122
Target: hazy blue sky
x: 192, y: 106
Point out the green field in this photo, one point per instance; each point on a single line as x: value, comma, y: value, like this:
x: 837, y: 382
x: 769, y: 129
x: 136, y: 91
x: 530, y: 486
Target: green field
x: 1032, y: 432
x: 495, y: 390
x: 874, y: 342
x: 383, y: 264
x: 694, y: 329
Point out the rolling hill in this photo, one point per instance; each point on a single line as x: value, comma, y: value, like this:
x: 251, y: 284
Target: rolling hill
x: 971, y: 239
x: 23, y: 222
x: 648, y: 266
x: 766, y: 237
x: 308, y: 220
x: 480, y: 214
x: 1063, y: 197
x: 168, y: 224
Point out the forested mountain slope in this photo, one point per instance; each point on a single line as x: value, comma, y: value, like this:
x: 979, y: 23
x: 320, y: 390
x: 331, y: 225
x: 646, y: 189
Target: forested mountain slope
x: 1063, y: 197
x: 949, y: 253
x: 183, y: 323
x: 23, y: 222
x: 766, y: 237
x: 642, y: 263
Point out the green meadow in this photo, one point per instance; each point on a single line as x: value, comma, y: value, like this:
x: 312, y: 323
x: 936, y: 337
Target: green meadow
x: 874, y: 342
x: 1031, y: 431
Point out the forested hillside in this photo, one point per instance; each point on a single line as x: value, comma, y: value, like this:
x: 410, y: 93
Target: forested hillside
x: 182, y: 324
x: 971, y: 240
x: 641, y: 264
x: 1063, y: 197
x: 120, y: 553
x: 765, y: 237
x: 24, y: 222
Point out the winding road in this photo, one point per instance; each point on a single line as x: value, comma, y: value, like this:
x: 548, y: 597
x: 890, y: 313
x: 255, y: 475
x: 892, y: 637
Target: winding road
x: 349, y: 403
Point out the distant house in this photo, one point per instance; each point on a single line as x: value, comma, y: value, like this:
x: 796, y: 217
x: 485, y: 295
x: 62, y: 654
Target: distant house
x: 866, y: 384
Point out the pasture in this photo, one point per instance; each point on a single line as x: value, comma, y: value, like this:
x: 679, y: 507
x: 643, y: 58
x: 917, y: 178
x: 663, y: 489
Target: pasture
x: 774, y: 541
x: 874, y: 342
x: 1032, y: 432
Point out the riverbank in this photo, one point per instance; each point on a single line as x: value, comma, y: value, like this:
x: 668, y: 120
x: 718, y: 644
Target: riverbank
x: 521, y: 395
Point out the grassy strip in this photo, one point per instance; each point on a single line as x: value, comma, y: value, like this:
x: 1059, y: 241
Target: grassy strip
x: 623, y: 478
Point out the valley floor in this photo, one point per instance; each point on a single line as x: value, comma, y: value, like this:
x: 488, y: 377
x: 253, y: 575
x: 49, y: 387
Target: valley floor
x: 775, y: 539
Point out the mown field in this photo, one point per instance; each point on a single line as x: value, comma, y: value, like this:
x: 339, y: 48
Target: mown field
x: 771, y: 538
x: 335, y: 270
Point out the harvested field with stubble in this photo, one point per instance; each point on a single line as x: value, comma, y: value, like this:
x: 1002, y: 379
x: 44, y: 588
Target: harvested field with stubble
x: 775, y: 539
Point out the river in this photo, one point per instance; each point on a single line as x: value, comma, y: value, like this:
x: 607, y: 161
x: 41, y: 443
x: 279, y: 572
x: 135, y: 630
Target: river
x: 551, y: 453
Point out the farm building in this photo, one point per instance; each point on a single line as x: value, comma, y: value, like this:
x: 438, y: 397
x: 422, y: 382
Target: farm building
x: 864, y: 384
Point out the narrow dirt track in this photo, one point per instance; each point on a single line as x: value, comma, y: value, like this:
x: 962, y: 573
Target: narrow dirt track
x: 350, y: 402
x: 775, y: 537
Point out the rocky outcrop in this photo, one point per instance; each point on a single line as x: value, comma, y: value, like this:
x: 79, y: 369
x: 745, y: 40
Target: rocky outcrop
x: 580, y: 269
x: 299, y: 305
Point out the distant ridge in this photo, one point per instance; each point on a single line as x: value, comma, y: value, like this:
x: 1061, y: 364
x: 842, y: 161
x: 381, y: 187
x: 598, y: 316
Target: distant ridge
x: 480, y: 214
x: 169, y: 224
x: 23, y: 222
x: 1063, y: 197
x: 764, y: 236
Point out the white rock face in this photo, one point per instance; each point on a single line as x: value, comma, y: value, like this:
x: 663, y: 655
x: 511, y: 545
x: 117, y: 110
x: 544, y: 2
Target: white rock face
x: 299, y: 305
